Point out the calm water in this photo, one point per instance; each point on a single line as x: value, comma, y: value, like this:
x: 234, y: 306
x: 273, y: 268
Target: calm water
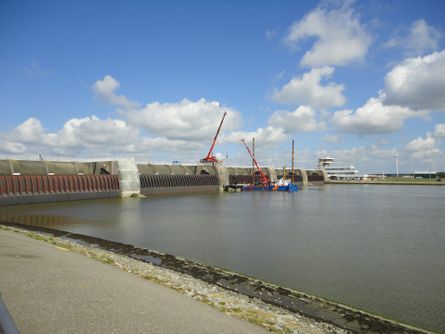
x: 379, y: 248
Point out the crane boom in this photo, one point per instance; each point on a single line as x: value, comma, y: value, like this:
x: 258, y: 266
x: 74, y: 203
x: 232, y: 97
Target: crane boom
x: 263, y: 178
x: 210, y: 157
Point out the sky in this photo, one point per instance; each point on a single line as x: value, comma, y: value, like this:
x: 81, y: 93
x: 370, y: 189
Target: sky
x: 359, y: 81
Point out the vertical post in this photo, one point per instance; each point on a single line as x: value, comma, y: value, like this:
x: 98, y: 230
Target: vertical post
x: 397, y: 165
x: 292, y: 177
x: 253, y: 162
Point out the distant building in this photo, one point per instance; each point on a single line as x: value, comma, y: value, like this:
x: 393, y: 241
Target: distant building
x: 337, y: 172
x: 425, y: 175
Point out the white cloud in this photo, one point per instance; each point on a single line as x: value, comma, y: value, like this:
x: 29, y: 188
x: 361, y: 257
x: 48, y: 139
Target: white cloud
x: 185, y: 120
x: 341, y: 38
x: 363, y: 154
x: 92, y: 131
x: 330, y: 138
x: 367, y: 159
x: 29, y: 131
x: 421, y: 37
x: 422, y: 148
x: 419, y: 154
x: 301, y: 120
x: 373, y: 117
x: 105, y: 90
x: 180, y: 130
x: 307, y: 90
x: 263, y: 136
x: 439, y: 131
x: 91, y: 137
x: 9, y: 147
x: 417, y: 83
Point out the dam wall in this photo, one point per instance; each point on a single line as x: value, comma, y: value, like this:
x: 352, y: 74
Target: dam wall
x: 316, y: 176
x: 26, y: 181
x: 163, y: 179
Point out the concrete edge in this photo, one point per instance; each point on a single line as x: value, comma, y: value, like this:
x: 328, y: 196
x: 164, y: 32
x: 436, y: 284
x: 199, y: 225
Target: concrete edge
x: 298, y: 303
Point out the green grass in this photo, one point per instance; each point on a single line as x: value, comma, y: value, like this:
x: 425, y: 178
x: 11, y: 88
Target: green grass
x: 392, y: 180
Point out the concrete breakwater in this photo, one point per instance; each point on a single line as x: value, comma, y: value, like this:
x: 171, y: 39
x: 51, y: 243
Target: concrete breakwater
x: 23, y: 181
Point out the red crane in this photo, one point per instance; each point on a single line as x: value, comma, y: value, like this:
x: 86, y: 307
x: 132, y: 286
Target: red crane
x: 210, y: 158
x: 263, y: 178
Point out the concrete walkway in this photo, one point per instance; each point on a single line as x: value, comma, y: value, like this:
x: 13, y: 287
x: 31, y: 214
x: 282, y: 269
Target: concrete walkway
x: 50, y: 290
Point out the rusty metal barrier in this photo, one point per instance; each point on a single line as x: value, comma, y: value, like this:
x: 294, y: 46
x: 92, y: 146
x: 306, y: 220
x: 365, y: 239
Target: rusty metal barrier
x: 19, y: 185
x: 176, y: 181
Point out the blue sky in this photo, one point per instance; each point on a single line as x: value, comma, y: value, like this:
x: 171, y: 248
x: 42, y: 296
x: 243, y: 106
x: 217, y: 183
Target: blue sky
x: 360, y: 81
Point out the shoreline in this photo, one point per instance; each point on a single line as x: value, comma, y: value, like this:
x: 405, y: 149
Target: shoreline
x: 389, y: 183
x: 275, y: 308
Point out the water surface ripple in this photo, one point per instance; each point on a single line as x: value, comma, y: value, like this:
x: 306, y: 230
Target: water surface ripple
x: 379, y: 248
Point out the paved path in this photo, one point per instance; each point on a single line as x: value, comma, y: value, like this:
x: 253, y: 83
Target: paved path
x: 49, y: 290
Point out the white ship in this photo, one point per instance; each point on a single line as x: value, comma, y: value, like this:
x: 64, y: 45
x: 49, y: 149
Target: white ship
x: 337, y: 173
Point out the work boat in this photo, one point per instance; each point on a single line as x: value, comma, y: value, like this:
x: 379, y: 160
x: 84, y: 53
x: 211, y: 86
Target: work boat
x: 265, y: 184
x: 281, y: 185
x: 285, y: 185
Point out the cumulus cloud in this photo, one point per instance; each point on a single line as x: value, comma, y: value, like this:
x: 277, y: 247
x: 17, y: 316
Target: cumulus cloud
x: 341, y: 38
x: 92, y: 131
x: 308, y: 90
x: 105, y: 90
x: 92, y: 137
x: 363, y: 154
x: 373, y: 158
x: 373, y: 117
x: 300, y: 120
x: 439, y: 131
x: 422, y: 148
x: 162, y: 130
x: 420, y: 38
x: 263, y: 136
x: 417, y: 83
x: 184, y: 120
x: 29, y: 131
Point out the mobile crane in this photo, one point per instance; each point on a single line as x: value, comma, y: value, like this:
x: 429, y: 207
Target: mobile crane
x: 210, y: 158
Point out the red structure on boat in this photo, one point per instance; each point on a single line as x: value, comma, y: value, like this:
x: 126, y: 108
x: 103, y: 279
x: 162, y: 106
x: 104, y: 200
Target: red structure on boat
x: 264, y: 180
